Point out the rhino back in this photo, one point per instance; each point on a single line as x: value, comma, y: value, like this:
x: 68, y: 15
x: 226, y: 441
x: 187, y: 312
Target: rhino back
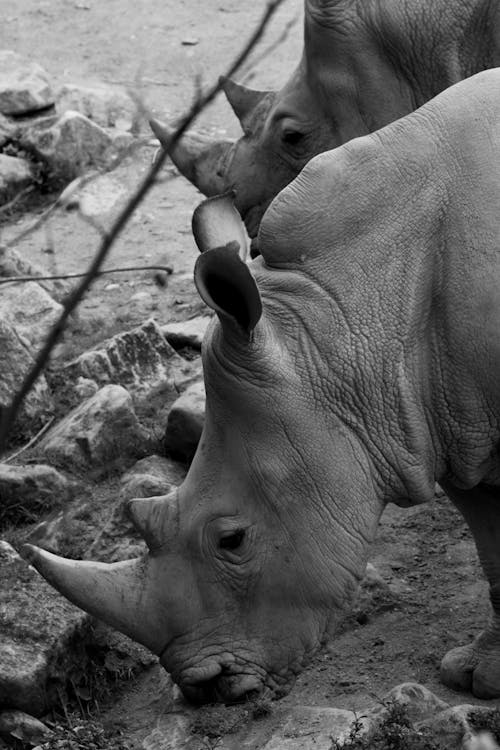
x: 399, y: 230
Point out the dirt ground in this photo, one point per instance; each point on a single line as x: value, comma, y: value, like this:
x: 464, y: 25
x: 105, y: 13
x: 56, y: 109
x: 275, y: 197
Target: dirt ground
x: 435, y: 597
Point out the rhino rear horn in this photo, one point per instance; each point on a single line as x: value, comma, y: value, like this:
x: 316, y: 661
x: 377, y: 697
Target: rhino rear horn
x: 217, y: 222
x: 226, y: 284
x: 242, y: 99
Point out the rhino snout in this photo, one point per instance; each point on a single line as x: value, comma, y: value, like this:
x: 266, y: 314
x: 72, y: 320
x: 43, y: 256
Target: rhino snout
x: 225, y: 688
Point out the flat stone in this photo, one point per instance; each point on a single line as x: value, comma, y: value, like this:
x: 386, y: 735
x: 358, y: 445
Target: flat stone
x: 13, y: 264
x: 36, y: 627
x: 30, y: 310
x: 186, y: 333
x: 140, y: 360
x: 104, y: 104
x: 24, y: 85
x: 69, y: 144
x: 151, y: 476
x: 33, y: 488
x: 101, y: 196
x: 310, y: 728
x: 16, y: 363
x: 185, y: 423
x: 15, y: 175
x: 99, y: 431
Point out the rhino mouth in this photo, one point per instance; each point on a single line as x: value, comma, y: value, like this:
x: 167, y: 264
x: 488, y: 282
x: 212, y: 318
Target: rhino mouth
x: 221, y: 688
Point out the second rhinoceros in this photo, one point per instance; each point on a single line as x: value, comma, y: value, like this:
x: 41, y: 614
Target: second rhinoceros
x: 355, y: 363
x: 364, y: 64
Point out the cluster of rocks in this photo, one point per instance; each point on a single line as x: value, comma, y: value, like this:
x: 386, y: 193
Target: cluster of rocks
x: 94, y: 409
x: 57, y: 132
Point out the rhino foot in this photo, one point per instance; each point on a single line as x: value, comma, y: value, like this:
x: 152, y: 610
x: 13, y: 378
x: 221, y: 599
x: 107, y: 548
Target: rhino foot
x: 475, y: 667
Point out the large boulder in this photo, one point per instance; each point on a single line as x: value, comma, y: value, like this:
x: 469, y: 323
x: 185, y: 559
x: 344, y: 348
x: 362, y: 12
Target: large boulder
x: 106, y: 105
x: 24, y: 85
x: 140, y: 360
x: 30, y: 310
x: 69, y: 144
x: 97, y: 433
x: 17, y: 361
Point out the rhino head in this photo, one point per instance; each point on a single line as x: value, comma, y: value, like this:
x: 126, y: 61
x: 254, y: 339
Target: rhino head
x: 251, y: 560
x: 363, y: 66
x: 282, y: 131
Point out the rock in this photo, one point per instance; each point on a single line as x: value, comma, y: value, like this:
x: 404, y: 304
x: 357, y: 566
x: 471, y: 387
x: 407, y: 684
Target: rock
x: 119, y: 540
x: 420, y: 703
x: 15, y: 174
x: 16, y: 363
x: 185, y: 423
x: 99, y: 431
x: 186, y: 333
x: 100, y: 196
x: 23, y: 727
x: 7, y: 130
x: 105, y: 105
x: 140, y: 359
x: 310, y: 728
x: 36, y: 627
x: 30, y: 489
x: 153, y: 475
x: 69, y: 144
x: 24, y: 85
x: 30, y: 310
x: 12, y: 264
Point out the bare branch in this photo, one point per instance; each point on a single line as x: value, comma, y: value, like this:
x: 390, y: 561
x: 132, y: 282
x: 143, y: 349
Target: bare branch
x: 9, y: 414
x: 54, y: 277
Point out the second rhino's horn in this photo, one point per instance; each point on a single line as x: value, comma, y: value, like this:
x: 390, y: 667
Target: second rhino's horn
x: 200, y: 158
x: 242, y: 99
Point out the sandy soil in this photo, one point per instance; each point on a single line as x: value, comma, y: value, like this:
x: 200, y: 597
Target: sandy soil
x: 435, y: 597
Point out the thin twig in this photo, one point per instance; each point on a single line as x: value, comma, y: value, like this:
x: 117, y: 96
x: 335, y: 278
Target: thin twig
x: 9, y: 414
x: 33, y: 440
x: 13, y: 279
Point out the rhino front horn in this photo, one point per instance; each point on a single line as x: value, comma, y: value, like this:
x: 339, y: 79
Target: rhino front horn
x: 198, y: 157
x: 242, y: 99
x: 119, y: 593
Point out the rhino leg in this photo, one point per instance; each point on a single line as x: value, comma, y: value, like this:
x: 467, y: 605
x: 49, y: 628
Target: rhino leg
x: 476, y: 667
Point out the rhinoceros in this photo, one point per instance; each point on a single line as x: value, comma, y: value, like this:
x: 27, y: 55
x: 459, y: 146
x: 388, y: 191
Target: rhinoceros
x: 364, y: 64
x: 354, y: 363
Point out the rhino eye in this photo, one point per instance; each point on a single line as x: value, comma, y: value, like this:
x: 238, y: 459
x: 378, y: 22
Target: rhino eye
x: 232, y: 541
x: 292, y: 137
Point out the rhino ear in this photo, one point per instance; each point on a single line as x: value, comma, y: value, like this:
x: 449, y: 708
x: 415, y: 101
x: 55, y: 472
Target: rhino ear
x: 216, y: 222
x: 226, y: 284
x: 242, y: 99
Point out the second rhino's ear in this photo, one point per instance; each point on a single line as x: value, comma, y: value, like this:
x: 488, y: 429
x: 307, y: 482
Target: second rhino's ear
x: 216, y: 221
x: 226, y: 284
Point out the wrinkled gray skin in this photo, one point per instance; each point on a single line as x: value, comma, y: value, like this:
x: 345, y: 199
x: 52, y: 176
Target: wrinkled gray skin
x: 364, y: 64
x: 353, y: 364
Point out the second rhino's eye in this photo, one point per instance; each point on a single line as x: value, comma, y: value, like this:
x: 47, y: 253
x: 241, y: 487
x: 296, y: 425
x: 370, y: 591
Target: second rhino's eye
x: 292, y: 137
x: 233, y: 540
